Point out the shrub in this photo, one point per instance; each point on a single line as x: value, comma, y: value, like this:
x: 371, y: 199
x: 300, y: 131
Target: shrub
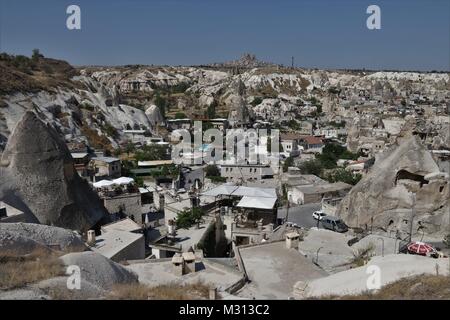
x: 193, y: 291
x: 19, y: 271
x: 362, y: 255
x: 312, y: 166
x: 343, y: 176
x: 189, y: 217
x: 256, y: 101
x: 180, y: 115
x: 217, y: 179
x: 212, y: 171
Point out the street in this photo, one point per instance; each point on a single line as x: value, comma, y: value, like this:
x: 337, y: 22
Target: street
x: 301, y: 215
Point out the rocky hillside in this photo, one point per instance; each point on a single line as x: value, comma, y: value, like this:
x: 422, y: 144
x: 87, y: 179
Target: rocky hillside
x: 95, y: 104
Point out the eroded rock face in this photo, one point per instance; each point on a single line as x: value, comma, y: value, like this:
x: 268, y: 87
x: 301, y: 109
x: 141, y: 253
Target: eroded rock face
x: 98, y: 270
x: 24, y: 238
x: 236, y: 102
x: 385, y: 193
x: 37, y: 176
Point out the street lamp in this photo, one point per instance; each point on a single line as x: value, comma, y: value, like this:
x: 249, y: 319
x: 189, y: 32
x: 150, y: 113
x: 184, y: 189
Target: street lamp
x: 382, y: 246
x: 317, y: 256
x: 413, y: 195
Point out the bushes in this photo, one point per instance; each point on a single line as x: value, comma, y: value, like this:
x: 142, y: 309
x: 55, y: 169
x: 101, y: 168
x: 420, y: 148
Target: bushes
x: 189, y: 217
x: 217, y: 179
x: 289, y: 162
x: 312, y: 166
x: 19, y: 271
x: 110, y: 131
x: 212, y: 171
x: 152, y: 152
x: 180, y: 115
x: 343, y: 176
x: 446, y: 240
x: 256, y: 101
x: 193, y: 291
x: 87, y: 106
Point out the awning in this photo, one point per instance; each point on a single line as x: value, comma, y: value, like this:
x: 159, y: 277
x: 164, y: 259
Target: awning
x: 257, y: 203
x: 123, y: 180
x: 241, y: 191
x: 103, y: 183
x: 220, y: 190
x: 146, y: 190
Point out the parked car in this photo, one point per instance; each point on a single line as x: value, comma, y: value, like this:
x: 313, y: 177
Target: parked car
x: 334, y: 223
x: 292, y: 224
x: 319, y: 215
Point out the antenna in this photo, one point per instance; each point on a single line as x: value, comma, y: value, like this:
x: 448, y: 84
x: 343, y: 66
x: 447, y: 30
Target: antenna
x: 292, y: 62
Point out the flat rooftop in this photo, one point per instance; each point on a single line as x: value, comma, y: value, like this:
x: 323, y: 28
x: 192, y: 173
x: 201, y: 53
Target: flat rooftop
x: 122, y: 225
x: 159, y: 272
x: 112, y: 242
x: 273, y: 270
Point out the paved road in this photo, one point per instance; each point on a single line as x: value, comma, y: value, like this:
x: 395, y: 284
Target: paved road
x: 301, y: 215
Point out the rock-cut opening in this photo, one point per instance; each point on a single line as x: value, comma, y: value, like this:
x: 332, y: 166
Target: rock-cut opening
x: 406, y: 175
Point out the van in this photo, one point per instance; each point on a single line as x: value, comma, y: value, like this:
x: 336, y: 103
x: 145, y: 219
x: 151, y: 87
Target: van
x: 334, y: 223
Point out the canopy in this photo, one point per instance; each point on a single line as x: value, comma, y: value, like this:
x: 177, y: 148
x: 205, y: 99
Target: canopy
x: 103, y: 183
x: 241, y: 191
x: 123, y: 180
x: 420, y: 248
x: 257, y: 203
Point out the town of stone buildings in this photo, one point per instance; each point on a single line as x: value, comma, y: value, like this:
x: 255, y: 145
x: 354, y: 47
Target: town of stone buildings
x: 360, y: 178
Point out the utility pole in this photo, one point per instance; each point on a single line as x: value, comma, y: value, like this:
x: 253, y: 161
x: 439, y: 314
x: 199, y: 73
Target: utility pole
x: 412, y: 216
x: 287, y: 209
x: 292, y: 62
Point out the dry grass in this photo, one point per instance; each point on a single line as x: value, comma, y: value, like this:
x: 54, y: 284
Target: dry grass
x: 362, y: 255
x: 423, y: 287
x: 19, y: 271
x: 195, y: 291
x: 95, y: 140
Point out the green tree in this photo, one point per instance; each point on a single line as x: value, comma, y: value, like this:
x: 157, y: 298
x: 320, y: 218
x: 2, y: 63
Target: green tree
x: 312, y: 166
x: 130, y: 148
x: 256, y: 101
x: 342, y: 175
x: 289, y: 162
x: 36, y: 55
x: 152, y: 152
x: 212, y: 171
x: 189, y: 217
x: 180, y: 115
x: 162, y: 104
x: 211, y: 110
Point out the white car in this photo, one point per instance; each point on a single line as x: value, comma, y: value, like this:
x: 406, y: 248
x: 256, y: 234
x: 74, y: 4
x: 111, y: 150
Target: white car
x: 318, y: 215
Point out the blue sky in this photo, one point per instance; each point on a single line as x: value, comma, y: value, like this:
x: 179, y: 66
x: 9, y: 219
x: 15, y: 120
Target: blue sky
x: 415, y: 34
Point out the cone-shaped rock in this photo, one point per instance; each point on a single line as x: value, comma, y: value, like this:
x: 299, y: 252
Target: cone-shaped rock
x: 384, y: 197
x: 37, y: 176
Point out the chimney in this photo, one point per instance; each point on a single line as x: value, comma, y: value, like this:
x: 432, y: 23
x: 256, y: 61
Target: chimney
x: 189, y: 262
x: 213, y: 294
x: 171, y: 227
x: 260, y: 225
x: 178, y: 264
x: 91, y: 237
x: 292, y: 240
